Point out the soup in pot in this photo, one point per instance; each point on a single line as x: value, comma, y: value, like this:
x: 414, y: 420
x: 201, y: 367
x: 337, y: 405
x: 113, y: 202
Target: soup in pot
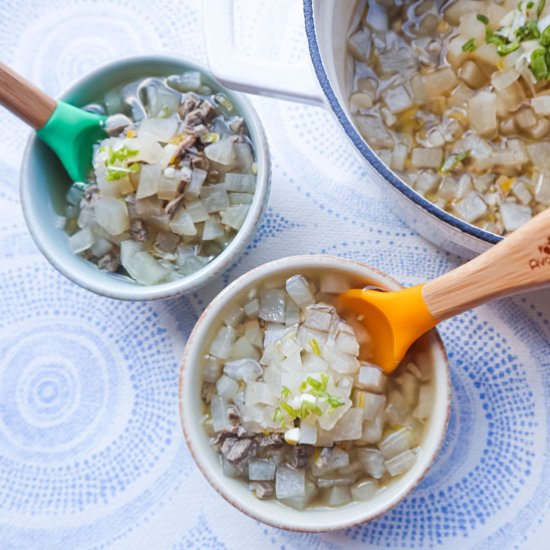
x: 455, y: 98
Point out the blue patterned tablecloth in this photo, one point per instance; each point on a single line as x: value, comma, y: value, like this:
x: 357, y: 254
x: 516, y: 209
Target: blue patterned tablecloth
x: 91, y: 450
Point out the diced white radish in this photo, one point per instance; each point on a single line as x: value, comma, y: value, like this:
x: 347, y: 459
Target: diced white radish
x: 371, y: 378
x: 258, y: 392
x: 312, y: 363
x: 182, y: 224
x: 396, y: 443
x: 214, y: 198
x: 401, y: 463
x: 333, y: 283
x: 364, y: 490
x: 81, y: 240
x: 340, y: 494
x: 194, y: 187
x: 218, y: 407
x: 197, y: 211
x: 425, y: 403
x: 272, y: 306
x: 227, y: 387
x: 261, y: 470
x: 243, y: 348
x: 145, y: 269
x: 148, y: 149
x: 159, y: 129
x: 234, y: 216
x: 341, y: 362
x: 221, y: 152
x: 212, y: 229
x: 541, y: 105
x: 427, y: 157
x: 347, y: 343
x: 247, y: 369
x: 240, y: 183
x: 211, y: 370
x: 289, y: 483
x: 372, y: 430
x: 319, y: 317
x: 372, y: 461
x: 350, y: 426
x: 372, y: 404
x: 112, y: 215
x: 222, y: 343
x: 308, y: 434
x: 293, y: 363
x: 482, y: 113
x: 167, y: 187
x: 101, y: 247
x: 298, y: 289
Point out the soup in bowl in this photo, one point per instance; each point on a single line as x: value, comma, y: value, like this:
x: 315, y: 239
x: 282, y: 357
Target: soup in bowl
x: 283, y: 411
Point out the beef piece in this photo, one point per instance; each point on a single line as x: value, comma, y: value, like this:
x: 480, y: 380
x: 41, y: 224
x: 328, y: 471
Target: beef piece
x: 208, y: 391
x: 208, y: 111
x: 111, y: 261
x: 90, y: 192
x: 183, y: 146
x: 173, y: 206
x: 270, y: 440
x: 199, y: 161
x: 263, y: 489
x: 238, y: 451
x: 190, y: 103
x: 138, y: 230
x: 233, y: 414
x: 300, y: 456
x: 235, y: 431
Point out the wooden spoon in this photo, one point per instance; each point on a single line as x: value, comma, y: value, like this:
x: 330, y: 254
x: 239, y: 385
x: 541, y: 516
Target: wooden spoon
x: 69, y: 131
x: 395, y: 320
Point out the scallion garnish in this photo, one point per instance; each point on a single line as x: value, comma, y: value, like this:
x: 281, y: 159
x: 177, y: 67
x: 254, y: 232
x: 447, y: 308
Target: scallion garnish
x: 469, y: 46
x: 483, y: 18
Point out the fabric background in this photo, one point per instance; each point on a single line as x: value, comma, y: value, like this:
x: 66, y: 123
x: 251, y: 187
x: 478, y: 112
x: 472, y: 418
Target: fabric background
x: 91, y: 450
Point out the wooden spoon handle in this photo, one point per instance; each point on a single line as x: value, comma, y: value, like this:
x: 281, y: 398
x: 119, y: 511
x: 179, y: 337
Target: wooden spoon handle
x: 518, y: 263
x: 24, y: 99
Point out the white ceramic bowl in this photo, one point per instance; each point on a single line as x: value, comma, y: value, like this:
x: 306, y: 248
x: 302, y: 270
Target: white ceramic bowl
x: 235, y: 491
x: 44, y: 184
x: 327, y: 25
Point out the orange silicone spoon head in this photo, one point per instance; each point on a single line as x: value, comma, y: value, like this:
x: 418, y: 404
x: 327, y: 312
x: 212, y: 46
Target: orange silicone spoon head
x: 394, y: 321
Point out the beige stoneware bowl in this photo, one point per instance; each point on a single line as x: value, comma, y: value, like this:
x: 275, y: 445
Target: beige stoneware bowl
x: 236, y: 492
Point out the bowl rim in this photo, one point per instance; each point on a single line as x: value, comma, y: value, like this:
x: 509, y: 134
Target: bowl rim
x: 100, y: 283
x: 193, y: 349
x: 365, y: 150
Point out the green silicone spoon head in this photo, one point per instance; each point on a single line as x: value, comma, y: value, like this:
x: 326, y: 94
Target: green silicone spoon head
x: 71, y: 133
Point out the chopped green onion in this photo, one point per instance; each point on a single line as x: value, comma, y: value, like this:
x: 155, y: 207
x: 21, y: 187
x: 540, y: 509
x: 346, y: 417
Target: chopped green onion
x: 314, y: 383
x: 529, y: 31
x: 483, y: 18
x: 539, y: 68
x: 469, y: 46
x: 540, y: 7
x: 324, y: 381
x: 545, y: 37
x: 452, y: 162
x: 293, y: 413
x: 286, y: 393
x: 493, y: 38
x: 505, y: 49
x: 279, y: 417
x: 315, y: 347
